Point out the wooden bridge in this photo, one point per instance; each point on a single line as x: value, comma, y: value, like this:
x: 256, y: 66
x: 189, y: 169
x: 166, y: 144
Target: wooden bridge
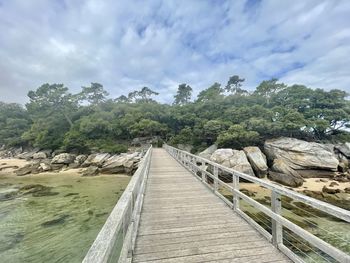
x: 173, y: 211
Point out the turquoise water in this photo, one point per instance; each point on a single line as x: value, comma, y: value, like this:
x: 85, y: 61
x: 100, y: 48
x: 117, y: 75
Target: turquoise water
x: 57, y: 227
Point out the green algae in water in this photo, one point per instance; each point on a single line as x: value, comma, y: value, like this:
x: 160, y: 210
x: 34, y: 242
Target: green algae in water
x: 55, y: 228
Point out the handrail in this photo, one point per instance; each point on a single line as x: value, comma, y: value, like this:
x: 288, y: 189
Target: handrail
x: 190, y: 162
x: 115, y: 241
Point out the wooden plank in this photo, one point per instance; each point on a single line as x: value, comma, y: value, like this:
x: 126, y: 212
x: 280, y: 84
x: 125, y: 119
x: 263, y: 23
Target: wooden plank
x: 208, y: 231
x: 153, y: 240
x: 203, y: 257
x: 199, y: 250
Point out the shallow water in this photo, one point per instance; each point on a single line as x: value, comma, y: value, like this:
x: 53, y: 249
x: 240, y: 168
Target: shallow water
x: 57, y: 228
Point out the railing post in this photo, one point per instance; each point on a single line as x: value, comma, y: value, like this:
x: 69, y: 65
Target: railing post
x: 277, y: 231
x: 216, y: 177
x: 203, y: 173
x: 235, y: 184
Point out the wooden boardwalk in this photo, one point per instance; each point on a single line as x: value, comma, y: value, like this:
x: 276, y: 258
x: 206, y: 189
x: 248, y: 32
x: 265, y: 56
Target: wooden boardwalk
x: 183, y: 221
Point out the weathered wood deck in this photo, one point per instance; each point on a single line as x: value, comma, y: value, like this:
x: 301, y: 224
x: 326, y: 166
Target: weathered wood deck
x: 182, y: 221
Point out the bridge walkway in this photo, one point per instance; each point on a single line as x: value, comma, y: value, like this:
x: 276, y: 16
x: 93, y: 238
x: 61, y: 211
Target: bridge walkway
x: 183, y: 221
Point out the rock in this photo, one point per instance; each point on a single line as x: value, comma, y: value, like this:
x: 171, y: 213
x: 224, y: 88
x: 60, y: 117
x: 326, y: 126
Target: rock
x: 96, y: 159
x: 8, y: 194
x: 301, y: 155
x: 63, y: 158
x: 280, y: 166
x: 257, y: 160
x: 57, y: 166
x: 44, y: 167
x: 342, y: 167
x: 327, y: 190
x: 323, y: 180
x: 314, y: 194
x: 237, y: 160
x: 123, y: 163
x: 344, y: 149
x: 316, y: 173
x: 341, y: 178
x: 73, y: 165
x: 37, y: 190
x: 57, y: 221
x: 39, y: 155
x: 347, y: 190
x: 208, y: 152
x: 27, y: 169
x: 332, y: 184
x: 80, y: 159
x: 91, y: 171
x: 285, y: 179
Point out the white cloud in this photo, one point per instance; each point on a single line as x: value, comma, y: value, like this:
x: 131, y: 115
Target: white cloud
x: 129, y: 44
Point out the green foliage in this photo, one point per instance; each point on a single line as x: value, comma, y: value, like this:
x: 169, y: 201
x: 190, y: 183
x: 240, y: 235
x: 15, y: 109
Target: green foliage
x: 89, y: 121
x: 234, y: 85
x: 183, y: 95
x: 211, y: 93
x: 95, y: 94
x: 185, y: 136
x: 14, y: 121
x: 237, y: 137
x: 147, y: 127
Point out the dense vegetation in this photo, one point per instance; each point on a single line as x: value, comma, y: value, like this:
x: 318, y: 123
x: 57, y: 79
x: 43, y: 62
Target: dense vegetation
x: 229, y: 116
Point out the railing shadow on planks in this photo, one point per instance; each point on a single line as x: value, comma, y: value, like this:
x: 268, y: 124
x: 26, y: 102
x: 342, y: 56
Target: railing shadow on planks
x: 198, y: 166
x: 116, y: 239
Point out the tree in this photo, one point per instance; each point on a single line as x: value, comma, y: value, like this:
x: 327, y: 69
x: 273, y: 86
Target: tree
x: 14, y: 121
x: 145, y: 94
x: 211, y: 93
x: 49, y: 99
x: 234, y: 85
x: 183, y: 95
x: 213, y: 128
x: 148, y: 127
x: 237, y: 137
x: 269, y: 88
x: 122, y: 99
x: 95, y: 94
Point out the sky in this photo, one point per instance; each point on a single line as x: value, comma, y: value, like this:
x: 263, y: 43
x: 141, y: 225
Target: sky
x: 126, y: 45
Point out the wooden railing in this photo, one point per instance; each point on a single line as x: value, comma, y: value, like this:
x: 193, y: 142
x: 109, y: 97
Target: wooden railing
x: 197, y: 166
x: 115, y: 242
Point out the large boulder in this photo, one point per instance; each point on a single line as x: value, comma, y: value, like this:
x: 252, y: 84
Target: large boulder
x: 31, y: 168
x: 237, y: 160
x: 63, y: 158
x: 27, y: 154
x: 91, y: 171
x: 285, y: 179
x: 80, y: 159
x: 301, y: 155
x: 280, y: 166
x: 208, y: 152
x: 96, y: 159
x: 39, y: 155
x: 123, y: 163
x: 257, y: 160
x: 344, y: 149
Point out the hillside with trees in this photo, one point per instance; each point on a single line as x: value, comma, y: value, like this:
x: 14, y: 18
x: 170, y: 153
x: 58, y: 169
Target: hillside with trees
x: 230, y: 116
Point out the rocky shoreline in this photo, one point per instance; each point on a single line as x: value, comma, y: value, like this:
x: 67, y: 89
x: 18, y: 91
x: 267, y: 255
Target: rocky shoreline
x: 287, y: 161
x: 317, y: 170
x: 37, y: 161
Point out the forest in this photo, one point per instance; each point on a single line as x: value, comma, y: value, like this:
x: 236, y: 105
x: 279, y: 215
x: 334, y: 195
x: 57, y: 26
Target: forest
x: 227, y: 115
